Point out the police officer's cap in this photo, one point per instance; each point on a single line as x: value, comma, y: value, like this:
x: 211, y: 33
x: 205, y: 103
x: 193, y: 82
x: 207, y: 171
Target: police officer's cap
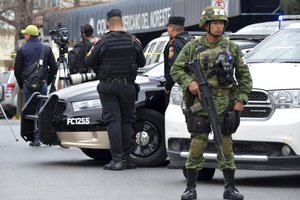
x: 176, y: 20
x: 114, y: 13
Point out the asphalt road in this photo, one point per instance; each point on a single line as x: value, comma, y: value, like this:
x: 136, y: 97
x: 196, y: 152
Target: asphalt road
x: 55, y: 173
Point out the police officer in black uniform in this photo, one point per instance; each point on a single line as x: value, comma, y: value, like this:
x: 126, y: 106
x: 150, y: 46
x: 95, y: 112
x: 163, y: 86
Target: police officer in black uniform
x: 178, y: 38
x: 115, y: 59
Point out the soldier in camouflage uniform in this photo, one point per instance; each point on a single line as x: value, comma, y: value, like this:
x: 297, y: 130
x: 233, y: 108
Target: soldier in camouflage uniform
x: 228, y: 95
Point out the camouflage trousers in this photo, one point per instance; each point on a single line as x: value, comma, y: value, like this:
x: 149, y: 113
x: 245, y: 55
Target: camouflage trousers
x: 198, y: 145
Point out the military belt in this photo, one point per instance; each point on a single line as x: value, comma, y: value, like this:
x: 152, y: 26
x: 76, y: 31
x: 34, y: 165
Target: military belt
x: 221, y: 92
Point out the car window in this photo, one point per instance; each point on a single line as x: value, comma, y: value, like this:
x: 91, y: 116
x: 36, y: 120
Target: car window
x: 146, y: 48
x: 4, y: 77
x: 246, y: 45
x: 13, y: 78
x: 283, y: 46
x: 149, y: 53
x: 158, y: 51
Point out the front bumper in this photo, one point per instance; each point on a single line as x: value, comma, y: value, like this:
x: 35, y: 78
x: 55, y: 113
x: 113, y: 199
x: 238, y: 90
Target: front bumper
x: 84, y: 139
x: 58, y: 124
x: 253, y: 161
x: 84, y: 129
x: 258, y: 144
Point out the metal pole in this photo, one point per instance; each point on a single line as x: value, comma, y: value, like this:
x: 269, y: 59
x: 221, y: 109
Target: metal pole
x: 8, y: 122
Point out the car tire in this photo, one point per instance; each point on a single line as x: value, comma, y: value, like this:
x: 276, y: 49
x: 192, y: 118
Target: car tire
x: 205, y: 174
x: 97, y: 154
x: 149, y: 139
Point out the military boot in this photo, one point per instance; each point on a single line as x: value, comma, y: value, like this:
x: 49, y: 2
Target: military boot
x: 230, y: 191
x: 126, y: 161
x: 36, y: 140
x: 190, y: 192
x: 115, y: 163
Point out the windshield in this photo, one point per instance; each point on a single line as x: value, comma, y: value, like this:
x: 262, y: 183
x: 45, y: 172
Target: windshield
x: 284, y: 46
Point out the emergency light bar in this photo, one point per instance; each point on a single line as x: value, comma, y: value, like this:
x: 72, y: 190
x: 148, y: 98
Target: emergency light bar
x: 287, y: 17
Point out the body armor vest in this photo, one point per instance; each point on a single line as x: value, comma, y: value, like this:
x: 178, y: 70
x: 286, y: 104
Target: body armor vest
x: 119, y: 57
x: 213, y: 71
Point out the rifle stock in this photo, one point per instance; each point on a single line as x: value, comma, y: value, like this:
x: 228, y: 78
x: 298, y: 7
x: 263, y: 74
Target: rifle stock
x: 206, y: 98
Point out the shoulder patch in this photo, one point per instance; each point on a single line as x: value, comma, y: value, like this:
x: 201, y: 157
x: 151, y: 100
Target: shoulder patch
x: 171, y: 52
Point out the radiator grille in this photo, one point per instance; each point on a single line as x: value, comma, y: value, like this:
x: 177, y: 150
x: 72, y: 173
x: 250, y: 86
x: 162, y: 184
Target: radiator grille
x: 259, y: 105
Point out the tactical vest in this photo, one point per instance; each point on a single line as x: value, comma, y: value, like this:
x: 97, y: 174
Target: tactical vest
x: 207, y: 60
x: 119, y: 59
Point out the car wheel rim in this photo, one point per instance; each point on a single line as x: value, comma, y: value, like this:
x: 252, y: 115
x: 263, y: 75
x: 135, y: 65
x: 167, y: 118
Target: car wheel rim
x: 146, y: 139
x: 142, y: 138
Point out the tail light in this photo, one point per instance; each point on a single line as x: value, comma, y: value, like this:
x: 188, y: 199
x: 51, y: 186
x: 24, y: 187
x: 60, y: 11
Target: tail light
x: 10, y: 87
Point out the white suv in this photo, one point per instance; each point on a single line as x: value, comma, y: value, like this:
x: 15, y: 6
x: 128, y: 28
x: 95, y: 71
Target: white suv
x: 269, y: 134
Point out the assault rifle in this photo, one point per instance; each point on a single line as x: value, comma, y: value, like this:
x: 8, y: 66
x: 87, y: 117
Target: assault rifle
x: 207, y: 102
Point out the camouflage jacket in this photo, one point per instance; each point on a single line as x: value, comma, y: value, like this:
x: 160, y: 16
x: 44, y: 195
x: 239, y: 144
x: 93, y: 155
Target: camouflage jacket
x: 184, y: 77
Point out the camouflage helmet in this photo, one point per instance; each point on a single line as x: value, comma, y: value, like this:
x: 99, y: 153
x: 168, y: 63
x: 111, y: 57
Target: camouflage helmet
x: 212, y: 13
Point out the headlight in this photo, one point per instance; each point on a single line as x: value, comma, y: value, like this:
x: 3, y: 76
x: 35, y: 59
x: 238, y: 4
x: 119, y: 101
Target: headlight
x: 286, y: 98
x: 86, y: 105
x: 176, y: 95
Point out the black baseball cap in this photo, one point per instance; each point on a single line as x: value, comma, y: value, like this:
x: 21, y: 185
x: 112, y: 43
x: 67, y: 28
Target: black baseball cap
x: 114, y: 13
x: 176, y: 20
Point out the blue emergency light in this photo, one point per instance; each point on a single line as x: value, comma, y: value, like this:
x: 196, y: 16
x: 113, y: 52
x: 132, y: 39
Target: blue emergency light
x: 287, y: 17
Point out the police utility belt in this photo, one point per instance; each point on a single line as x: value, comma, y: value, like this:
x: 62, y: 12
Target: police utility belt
x: 118, y: 81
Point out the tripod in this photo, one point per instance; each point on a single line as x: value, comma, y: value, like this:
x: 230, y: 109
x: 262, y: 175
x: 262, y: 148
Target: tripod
x: 8, y: 122
x: 63, y: 70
